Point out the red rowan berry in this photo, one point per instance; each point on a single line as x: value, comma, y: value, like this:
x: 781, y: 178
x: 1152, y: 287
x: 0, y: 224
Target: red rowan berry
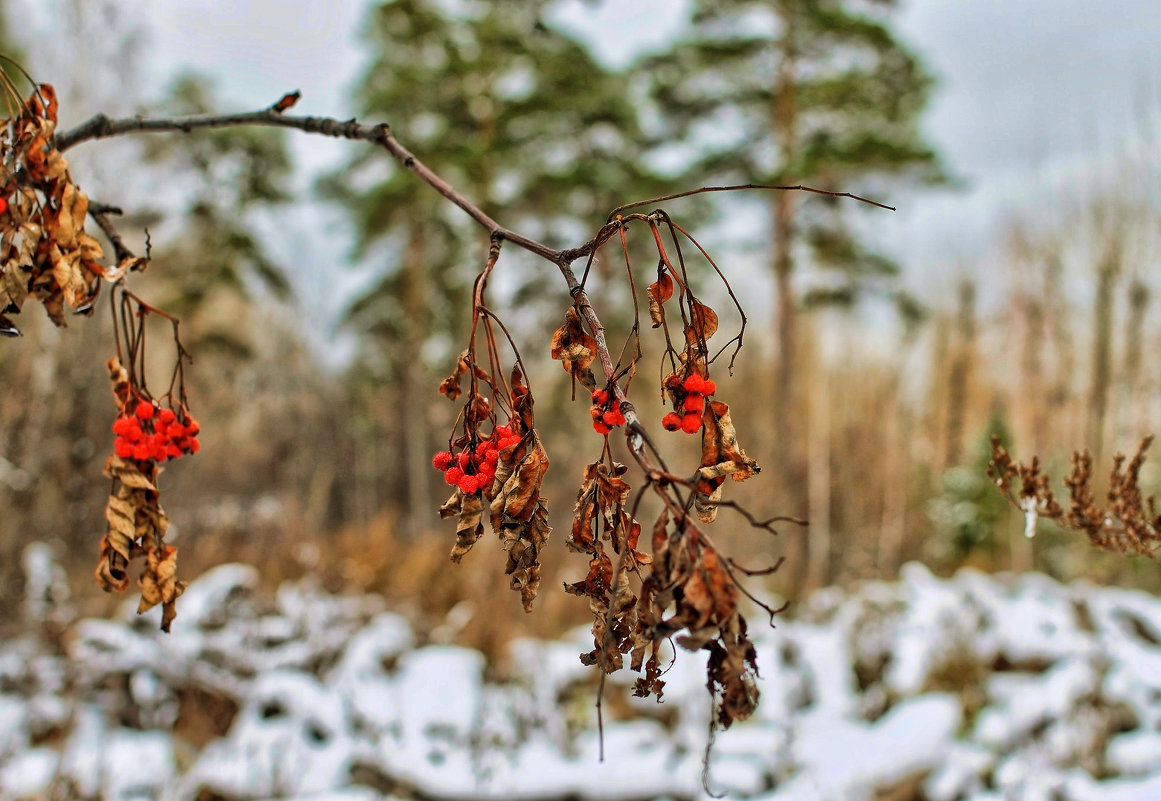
x: 172, y: 451
x: 166, y: 416
x: 600, y: 397
x: 3, y: 205
x: 693, y: 403
x: 609, y: 418
x: 192, y: 426
x: 144, y: 410
x: 482, y: 447
x: 691, y: 423
x: 600, y: 427
x: 441, y: 461
x: 194, y: 445
x: 693, y: 383
x: 492, y: 457
x: 123, y: 448
x: 462, y: 459
x: 671, y: 422
x: 502, y: 432
x: 141, y: 451
x: 453, y: 475
x: 708, y: 387
x: 468, y: 485
x: 121, y: 425
x: 133, y: 431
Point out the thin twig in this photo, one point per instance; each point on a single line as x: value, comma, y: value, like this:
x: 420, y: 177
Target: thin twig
x: 740, y: 187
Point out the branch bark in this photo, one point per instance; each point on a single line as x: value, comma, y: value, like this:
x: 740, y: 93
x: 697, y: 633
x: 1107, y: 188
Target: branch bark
x: 103, y: 127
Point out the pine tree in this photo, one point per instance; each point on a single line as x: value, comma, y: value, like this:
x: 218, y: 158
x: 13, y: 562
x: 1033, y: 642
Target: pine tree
x: 518, y: 116
x: 800, y: 91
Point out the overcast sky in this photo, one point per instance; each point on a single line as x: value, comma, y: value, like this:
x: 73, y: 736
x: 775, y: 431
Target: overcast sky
x: 1032, y: 93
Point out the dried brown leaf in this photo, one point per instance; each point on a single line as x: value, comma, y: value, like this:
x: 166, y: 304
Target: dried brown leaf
x: 469, y: 512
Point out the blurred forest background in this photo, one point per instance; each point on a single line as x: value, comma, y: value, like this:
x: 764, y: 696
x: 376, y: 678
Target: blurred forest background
x: 867, y: 397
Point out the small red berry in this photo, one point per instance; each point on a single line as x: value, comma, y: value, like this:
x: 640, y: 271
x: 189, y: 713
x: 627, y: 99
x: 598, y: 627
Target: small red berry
x: 3, y: 205
x: 133, y: 432
x: 194, y: 445
x: 691, y: 423
x: 192, y: 426
x: 708, y: 387
x: 172, y: 451
x: 492, y: 457
x: 468, y: 485
x: 600, y: 427
x: 166, y: 416
x: 123, y: 448
x: 671, y: 421
x: 462, y: 459
x: 144, y: 410
x: 693, y: 403
x: 453, y: 475
x: 502, y: 432
x: 600, y: 397
x: 693, y: 383
x: 141, y: 451
x: 441, y: 461
x: 609, y: 418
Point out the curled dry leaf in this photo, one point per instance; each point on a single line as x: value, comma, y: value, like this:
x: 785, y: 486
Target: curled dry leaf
x: 703, y: 323
x: 659, y: 291
x: 721, y: 456
x: 575, y: 348
x: 468, y: 510
x: 599, y: 516
x: 159, y: 584
x: 519, y: 515
x: 450, y: 386
x: 733, y: 672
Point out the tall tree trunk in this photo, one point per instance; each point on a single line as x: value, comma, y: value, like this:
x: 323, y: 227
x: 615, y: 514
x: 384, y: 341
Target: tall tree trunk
x: 958, y: 379
x: 417, y: 429
x: 1134, y: 415
x: 819, y: 480
x: 790, y: 465
x: 1102, y: 349
x: 896, y: 461
x: 785, y: 114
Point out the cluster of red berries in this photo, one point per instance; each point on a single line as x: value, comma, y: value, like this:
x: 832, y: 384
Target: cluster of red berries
x: 150, y: 433
x: 473, y: 469
x: 688, y: 397
x: 606, y: 416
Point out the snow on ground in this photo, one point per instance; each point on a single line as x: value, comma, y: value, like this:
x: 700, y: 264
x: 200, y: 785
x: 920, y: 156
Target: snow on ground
x: 974, y: 688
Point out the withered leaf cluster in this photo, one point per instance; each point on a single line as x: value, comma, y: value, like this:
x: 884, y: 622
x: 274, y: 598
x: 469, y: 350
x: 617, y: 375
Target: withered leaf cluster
x: 44, y: 250
x: 517, y: 512
x: 686, y: 593
x: 137, y: 524
x: 1128, y: 524
x: 721, y: 456
x: 575, y: 348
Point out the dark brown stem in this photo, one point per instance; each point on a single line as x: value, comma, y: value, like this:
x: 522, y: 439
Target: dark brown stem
x: 740, y: 187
